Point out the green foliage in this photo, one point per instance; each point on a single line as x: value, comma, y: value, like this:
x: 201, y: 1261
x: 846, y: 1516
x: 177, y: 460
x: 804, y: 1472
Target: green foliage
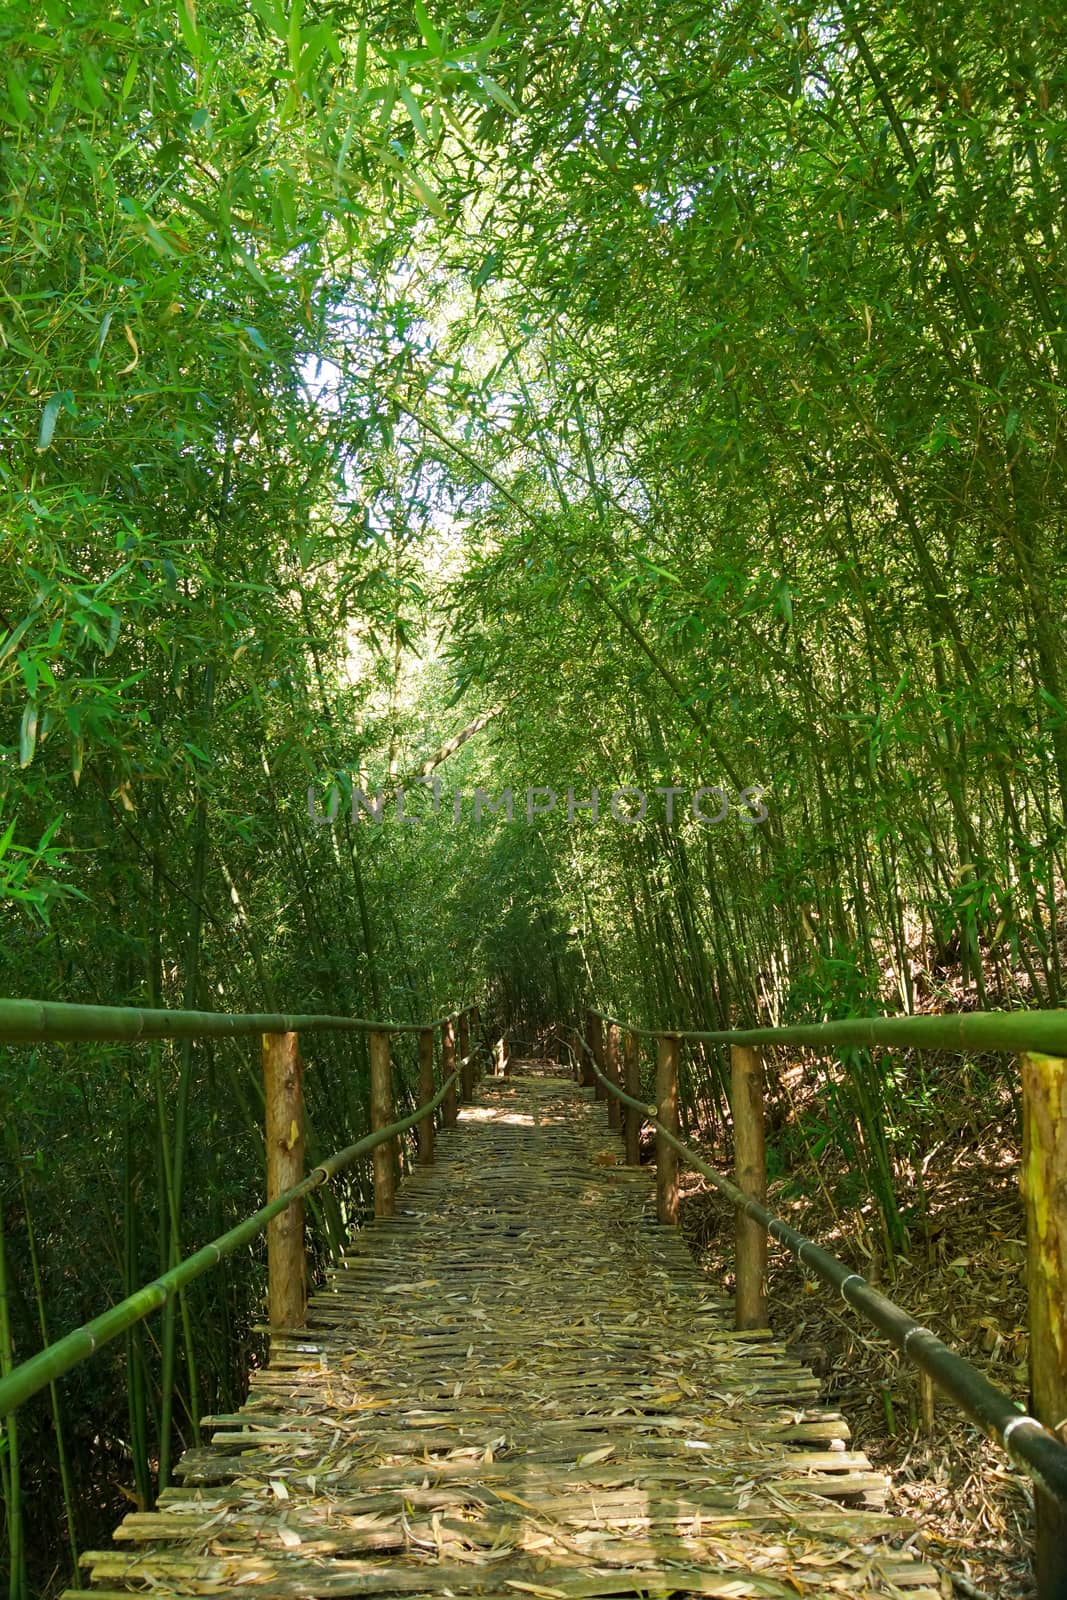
x: 683, y: 385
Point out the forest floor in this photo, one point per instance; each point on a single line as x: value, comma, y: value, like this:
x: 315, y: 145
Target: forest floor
x: 962, y: 1275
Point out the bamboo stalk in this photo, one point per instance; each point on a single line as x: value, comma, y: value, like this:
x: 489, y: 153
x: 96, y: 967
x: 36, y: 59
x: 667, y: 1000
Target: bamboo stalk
x: 1044, y: 1185
x: 31, y: 1376
x: 12, y: 1480
x: 425, y: 1127
x: 190, y: 988
x: 135, y: 1391
x: 66, y: 1476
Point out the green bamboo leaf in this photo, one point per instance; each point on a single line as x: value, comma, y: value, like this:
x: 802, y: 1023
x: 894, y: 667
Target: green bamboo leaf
x: 319, y: 39
x: 427, y: 29
x: 93, y: 86
x: 113, y: 632
x: 17, y: 95
x: 29, y: 672
x: 486, y: 270
x: 28, y: 734
x: 62, y: 400
x: 272, y: 17
x: 189, y: 29
x: 14, y: 637
x: 56, y: 90
x: 501, y: 96
x: 102, y: 332
x: 248, y: 261
x: 429, y: 198
x: 414, y: 113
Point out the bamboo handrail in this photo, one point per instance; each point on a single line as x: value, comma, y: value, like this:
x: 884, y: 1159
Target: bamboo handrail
x: 30, y: 1376
x: 1015, y: 1031
x: 1032, y: 1446
x: 53, y: 1021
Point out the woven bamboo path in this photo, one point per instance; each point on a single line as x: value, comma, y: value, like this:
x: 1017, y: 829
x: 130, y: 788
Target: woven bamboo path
x: 521, y: 1385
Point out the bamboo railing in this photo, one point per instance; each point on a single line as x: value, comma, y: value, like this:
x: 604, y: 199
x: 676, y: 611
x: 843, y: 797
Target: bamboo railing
x: 608, y: 1061
x: 282, y: 1217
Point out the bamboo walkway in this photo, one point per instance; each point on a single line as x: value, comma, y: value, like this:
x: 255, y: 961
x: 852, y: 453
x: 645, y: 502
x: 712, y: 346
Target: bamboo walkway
x: 520, y: 1385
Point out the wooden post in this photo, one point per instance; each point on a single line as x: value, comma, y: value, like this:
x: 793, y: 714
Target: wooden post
x: 426, y: 1092
x: 449, y: 1107
x: 668, y: 1050
x: 631, y: 1082
x: 466, y: 1082
x: 596, y: 1039
x: 381, y: 1115
x: 1044, y: 1186
x: 592, y: 1032
x: 615, y: 1075
x: 477, y: 1036
x: 750, y: 1167
x: 286, y: 1263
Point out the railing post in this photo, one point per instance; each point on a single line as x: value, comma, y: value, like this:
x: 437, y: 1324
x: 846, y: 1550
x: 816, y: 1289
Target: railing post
x: 667, y: 1053
x: 1044, y: 1186
x: 284, y: 1095
x: 449, y: 1107
x: 615, y: 1075
x: 596, y: 1039
x: 424, y: 1128
x: 592, y: 1030
x: 750, y: 1166
x: 631, y: 1082
x: 479, y: 1042
x: 381, y: 1115
x: 466, y: 1079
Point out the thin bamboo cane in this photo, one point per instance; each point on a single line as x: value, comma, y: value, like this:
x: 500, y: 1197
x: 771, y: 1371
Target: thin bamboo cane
x: 135, y: 1396
x: 40, y: 1370
x: 65, y: 1475
x: 12, y: 1480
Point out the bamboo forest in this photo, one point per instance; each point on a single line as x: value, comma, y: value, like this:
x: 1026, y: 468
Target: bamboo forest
x: 532, y: 776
